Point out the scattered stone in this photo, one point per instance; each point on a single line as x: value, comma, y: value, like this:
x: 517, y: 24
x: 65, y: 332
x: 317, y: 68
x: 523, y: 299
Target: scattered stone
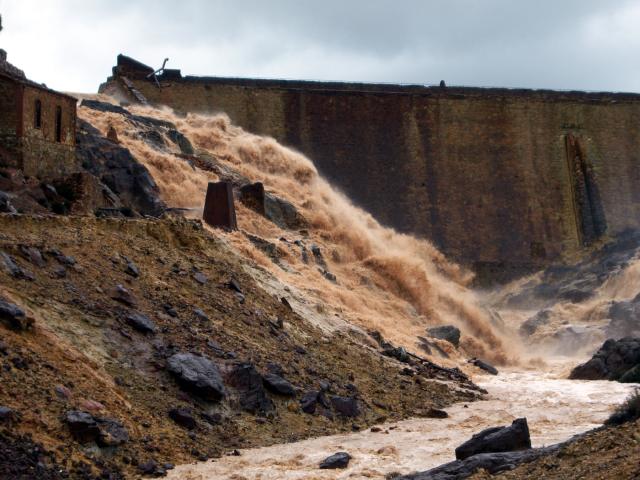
x: 183, y: 417
x: 59, y: 272
x: 311, y: 400
x: 212, y: 418
x: 132, y: 269
x: 14, y: 269
x: 345, y: 406
x: 436, y: 413
x: 497, y: 439
x: 317, y: 254
x: 62, y: 258
x: 62, y: 392
x: 151, y: 467
x: 276, y: 384
x: 111, y: 432
x: 484, y: 366
x: 234, y: 285
x: 245, y: 378
x: 200, y: 314
x: 172, y: 312
x: 337, y: 460
x: 197, y: 374
x: 122, y: 295
x: 7, y: 415
x: 446, y: 332
x: 399, y: 353
x: 33, y: 255
x: 141, y: 322
x: 82, y: 425
x: 611, y: 361
x: 5, y: 204
x: 15, y: 317
x: 91, y: 405
x: 200, y: 277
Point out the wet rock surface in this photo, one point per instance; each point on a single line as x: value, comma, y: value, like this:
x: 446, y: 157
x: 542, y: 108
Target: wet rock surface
x: 446, y: 332
x: 335, y: 461
x: 497, y: 439
x: 611, y: 362
x: 197, y: 374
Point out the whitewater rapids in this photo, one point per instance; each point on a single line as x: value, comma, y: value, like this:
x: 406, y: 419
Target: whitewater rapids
x: 555, y: 408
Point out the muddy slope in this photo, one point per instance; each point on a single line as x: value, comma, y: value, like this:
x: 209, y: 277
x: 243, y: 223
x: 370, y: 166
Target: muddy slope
x: 84, y: 353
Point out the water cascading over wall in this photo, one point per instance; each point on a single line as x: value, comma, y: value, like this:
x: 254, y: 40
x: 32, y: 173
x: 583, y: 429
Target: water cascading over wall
x: 489, y: 175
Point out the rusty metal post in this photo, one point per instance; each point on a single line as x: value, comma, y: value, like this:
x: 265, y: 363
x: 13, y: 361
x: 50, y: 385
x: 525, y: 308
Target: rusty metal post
x: 219, y: 209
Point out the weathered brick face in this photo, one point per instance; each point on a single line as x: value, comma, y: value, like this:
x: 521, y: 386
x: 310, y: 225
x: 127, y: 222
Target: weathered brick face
x: 43, y: 154
x: 484, y: 173
x: 9, y: 144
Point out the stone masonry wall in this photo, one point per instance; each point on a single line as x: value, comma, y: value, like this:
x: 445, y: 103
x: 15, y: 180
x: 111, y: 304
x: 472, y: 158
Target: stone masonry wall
x: 43, y: 156
x: 483, y: 173
x: 9, y: 145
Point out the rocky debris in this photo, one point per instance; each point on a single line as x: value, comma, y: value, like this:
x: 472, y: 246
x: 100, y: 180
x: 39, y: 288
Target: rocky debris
x: 200, y: 277
x: 531, y: 325
x: 62, y: 392
x: 448, y: 333
x: 132, y: 269
x: 197, y: 374
x: 33, y: 255
x: 200, y: 314
x: 281, y: 212
x: 7, y: 415
x: 279, y: 385
x: 86, y: 428
x: 345, y: 406
x: 625, y: 319
x: 484, y: 366
x: 314, y: 400
x: 493, y: 463
x: 122, y: 295
x: 319, y: 258
x: 61, y: 258
x: 497, y: 439
x: 141, y: 322
x: 5, y: 204
x: 14, y: 317
x: 268, y: 248
x: 152, y: 468
x: 250, y: 387
x: 14, y: 269
x: 435, y: 413
x: 183, y: 417
x: 399, y: 353
x: 337, y: 460
x: 611, y: 362
x: 118, y: 171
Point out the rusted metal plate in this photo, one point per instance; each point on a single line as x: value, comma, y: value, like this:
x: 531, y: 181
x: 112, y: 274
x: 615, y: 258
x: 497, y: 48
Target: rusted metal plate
x: 219, y: 209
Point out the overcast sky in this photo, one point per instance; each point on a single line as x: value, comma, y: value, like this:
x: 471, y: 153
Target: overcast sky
x: 567, y: 44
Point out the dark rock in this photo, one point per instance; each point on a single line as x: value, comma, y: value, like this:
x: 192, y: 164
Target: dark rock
x: 399, y: 353
x: 111, y: 432
x: 5, y: 204
x: 446, y: 332
x: 631, y: 376
x: 14, y: 269
x: 181, y: 141
x: 279, y: 211
x: 212, y: 418
x: 270, y: 249
x: 312, y: 400
x: 484, y: 366
x: 436, y: 413
x: 122, y: 295
x: 497, y: 439
x: 531, y: 325
x: 82, y: 425
x: 7, y: 415
x: 151, y: 467
x: 59, y: 272
x: 337, y: 460
x: 276, y: 384
x: 611, y: 361
x: 172, y: 312
x: 200, y: 314
x: 250, y: 386
x: 132, y: 269
x: 234, y: 285
x: 33, y: 255
x: 345, y: 406
x: 493, y: 463
x: 183, y: 417
x: 62, y: 392
x: 141, y: 322
x: 14, y: 316
x: 200, y: 277
x: 62, y: 258
x: 317, y: 254
x: 197, y: 374
x: 625, y: 319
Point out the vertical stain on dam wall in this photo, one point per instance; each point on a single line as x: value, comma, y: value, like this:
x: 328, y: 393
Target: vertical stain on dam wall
x: 504, y: 181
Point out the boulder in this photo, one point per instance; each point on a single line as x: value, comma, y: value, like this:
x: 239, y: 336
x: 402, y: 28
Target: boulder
x: 279, y: 211
x: 122, y: 295
x: 446, y: 332
x: 111, y: 432
x: 484, y: 366
x: 14, y: 316
x: 82, y: 425
x: 141, y: 322
x: 250, y: 387
x: 631, y: 376
x: 345, y: 406
x: 611, y: 361
x: 5, y: 204
x: 7, y: 415
x: 279, y: 385
x: 14, y: 269
x: 337, y: 460
x: 197, y: 374
x: 33, y: 255
x: 183, y: 417
x: 312, y: 400
x: 497, y: 439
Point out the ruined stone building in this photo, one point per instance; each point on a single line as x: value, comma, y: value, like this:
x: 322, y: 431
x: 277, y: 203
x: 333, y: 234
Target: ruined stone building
x: 502, y: 180
x: 37, y: 126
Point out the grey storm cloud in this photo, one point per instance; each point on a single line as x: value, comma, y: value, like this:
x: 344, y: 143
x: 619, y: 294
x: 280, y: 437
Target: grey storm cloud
x: 568, y: 44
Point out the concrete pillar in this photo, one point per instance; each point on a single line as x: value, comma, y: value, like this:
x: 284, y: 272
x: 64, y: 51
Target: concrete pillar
x: 219, y: 209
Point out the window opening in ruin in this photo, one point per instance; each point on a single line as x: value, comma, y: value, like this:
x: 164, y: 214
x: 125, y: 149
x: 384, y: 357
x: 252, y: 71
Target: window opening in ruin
x: 58, y: 124
x: 37, y: 119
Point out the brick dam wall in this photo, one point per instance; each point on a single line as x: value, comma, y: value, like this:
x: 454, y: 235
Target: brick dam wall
x: 504, y: 181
